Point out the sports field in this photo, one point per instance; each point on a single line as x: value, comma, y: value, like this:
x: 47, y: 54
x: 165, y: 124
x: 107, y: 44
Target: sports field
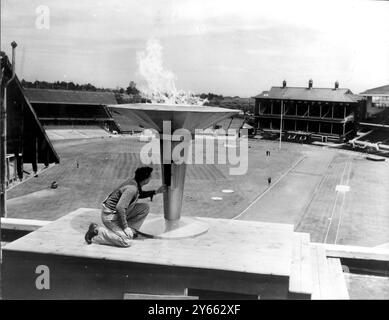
x: 302, y: 191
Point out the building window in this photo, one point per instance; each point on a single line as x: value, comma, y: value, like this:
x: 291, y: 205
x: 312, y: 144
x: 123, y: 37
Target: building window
x: 381, y: 102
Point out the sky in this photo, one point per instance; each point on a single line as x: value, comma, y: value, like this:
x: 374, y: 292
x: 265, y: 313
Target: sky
x: 239, y: 47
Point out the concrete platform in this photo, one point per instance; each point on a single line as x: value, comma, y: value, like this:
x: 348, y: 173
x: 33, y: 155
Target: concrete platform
x: 244, y: 258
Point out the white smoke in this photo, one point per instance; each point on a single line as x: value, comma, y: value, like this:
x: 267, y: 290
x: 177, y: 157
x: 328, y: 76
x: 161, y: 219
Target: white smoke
x: 157, y: 82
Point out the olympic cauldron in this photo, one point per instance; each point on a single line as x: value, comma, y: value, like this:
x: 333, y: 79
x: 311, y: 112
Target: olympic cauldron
x: 189, y: 117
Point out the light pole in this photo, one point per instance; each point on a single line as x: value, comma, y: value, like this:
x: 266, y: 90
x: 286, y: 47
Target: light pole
x: 282, y: 107
x: 1, y: 151
x: 3, y: 142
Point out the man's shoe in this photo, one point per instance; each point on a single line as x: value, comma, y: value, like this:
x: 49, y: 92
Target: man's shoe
x: 135, y: 233
x: 92, y: 231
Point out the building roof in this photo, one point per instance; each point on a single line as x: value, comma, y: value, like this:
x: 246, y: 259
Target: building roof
x: 313, y: 94
x: 383, y: 90
x: 69, y: 96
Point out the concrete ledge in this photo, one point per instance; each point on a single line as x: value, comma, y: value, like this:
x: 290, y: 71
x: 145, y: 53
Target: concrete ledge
x: 134, y: 296
x: 22, y: 224
x: 361, y: 260
x: 301, y: 279
x: 355, y: 252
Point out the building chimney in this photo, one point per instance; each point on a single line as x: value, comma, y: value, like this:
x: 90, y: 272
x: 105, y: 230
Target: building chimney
x: 284, y: 84
x: 336, y: 85
x: 310, y: 84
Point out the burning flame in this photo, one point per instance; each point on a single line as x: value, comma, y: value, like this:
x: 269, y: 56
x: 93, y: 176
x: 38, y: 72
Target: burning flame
x: 158, y: 82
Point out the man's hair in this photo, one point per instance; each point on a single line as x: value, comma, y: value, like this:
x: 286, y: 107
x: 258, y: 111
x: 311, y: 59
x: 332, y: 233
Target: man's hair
x: 143, y: 173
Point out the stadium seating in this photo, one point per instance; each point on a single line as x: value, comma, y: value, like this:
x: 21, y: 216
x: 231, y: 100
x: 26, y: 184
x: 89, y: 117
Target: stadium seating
x: 377, y: 136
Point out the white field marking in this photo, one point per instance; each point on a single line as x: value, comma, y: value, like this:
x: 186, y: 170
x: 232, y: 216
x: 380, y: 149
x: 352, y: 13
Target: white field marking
x: 330, y: 218
x: 217, y: 198
x: 228, y: 191
x: 340, y: 216
x: 343, y: 200
x: 342, y: 188
x: 334, y: 206
x: 335, y: 202
x: 268, y: 189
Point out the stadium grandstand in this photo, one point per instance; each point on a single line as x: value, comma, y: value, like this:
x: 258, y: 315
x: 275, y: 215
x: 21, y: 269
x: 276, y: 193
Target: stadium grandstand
x: 236, y: 123
x: 307, y: 113
x: 375, y: 118
x: 26, y: 140
x: 377, y: 105
x: 67, y: 109
x: 376, y: 136
x: 56, y: 132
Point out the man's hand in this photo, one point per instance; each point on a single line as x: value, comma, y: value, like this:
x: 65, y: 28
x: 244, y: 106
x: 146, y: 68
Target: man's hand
x: 128, y: 231
x: 161, y: 189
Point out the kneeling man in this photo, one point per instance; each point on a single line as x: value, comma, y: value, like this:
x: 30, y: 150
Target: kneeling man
x: 121, y: 212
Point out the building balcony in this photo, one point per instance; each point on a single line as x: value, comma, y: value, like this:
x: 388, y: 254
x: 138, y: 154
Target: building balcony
x: 349, y: 118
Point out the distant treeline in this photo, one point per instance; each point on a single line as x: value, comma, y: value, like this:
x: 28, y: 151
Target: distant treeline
x: 63, y: 85
x: 236, y: 102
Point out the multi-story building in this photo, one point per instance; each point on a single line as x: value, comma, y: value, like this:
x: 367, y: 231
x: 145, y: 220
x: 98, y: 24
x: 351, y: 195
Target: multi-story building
x: 305, y: 113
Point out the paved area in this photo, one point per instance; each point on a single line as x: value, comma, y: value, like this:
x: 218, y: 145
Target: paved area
x: 286, y: 199
x: 355, y: 217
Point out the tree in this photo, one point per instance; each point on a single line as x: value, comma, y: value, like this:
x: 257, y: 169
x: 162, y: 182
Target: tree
x: 131, y: 89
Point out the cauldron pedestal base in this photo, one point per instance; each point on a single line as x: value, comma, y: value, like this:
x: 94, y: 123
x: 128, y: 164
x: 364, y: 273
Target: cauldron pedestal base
x: 161, y: 228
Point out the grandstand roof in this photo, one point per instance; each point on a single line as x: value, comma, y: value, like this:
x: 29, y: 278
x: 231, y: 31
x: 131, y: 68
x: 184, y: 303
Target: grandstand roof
x: 383, y: 90
x: 231, y: 123
x: 313, y: 94
x: 69, y: 96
